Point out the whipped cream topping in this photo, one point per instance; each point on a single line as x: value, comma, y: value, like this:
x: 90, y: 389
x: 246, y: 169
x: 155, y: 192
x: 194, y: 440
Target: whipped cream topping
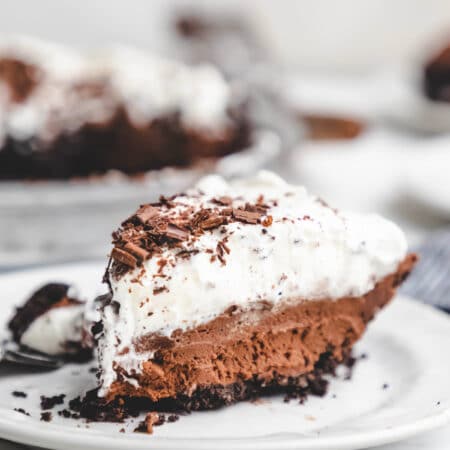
x: 73, y: 89
x: 52, y: 331
x: 301, y: 250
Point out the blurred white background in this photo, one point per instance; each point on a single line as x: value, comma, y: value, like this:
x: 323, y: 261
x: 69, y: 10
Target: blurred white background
x: 345, y: 36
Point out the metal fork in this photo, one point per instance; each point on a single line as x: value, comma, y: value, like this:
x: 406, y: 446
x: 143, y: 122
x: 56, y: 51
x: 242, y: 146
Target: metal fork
x: 26, y: 357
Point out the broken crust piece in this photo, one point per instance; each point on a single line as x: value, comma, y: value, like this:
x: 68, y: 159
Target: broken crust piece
x: 253, y: 305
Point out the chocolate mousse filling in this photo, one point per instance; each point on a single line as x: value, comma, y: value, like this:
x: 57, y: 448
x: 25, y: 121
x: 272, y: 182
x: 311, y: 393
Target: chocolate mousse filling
x: 243, y: 354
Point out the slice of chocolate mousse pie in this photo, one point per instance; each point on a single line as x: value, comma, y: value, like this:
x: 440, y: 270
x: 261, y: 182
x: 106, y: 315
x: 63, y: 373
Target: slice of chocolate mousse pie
x: 234, y: 290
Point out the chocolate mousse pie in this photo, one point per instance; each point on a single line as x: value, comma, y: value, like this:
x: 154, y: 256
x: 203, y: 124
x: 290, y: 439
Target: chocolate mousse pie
x: 65, y: 114
x: 52, y: 321
x: 233, y: 290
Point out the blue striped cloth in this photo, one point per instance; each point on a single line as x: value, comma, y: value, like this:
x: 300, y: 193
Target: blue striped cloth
x: 430, y: 279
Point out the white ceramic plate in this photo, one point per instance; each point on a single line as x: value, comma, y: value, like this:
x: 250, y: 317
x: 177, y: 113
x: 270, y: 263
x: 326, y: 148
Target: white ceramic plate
x: 399, y: 390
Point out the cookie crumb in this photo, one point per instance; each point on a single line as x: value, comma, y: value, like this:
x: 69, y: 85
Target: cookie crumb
x: 51, y: 402
x: 19, y: 394
x: 152, y: 419
x: 46, y: 416
x: 22, y: 411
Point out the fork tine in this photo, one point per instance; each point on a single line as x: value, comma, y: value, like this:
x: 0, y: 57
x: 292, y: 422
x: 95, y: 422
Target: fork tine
x: 32, y: 359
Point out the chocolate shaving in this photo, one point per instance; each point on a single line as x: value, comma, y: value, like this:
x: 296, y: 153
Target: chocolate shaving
x: 199, y: 217
x: 224, y: 200
x: 185, y: 254
x: 124, y: 257
x: 46, y: 416
x: 245, y: 216
x: 145, y: 213
x: 259, y: 207
x: 167, y: 201
x: 136, y: 251
x: 159, y: 290
x: 160, y: 226
x: 176, y: 233
x: 225, y: 246
x: 212, y: 222
x: 221, y: 249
